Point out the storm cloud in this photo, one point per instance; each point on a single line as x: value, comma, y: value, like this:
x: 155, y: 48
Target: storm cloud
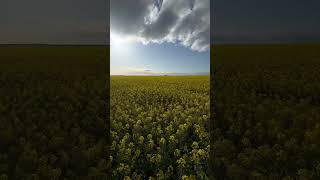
x: 186, y: 22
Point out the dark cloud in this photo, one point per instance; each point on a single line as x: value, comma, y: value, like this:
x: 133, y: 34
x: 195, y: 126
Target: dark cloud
x: 127, y: 16
x: 54, y: 22
x: 179, y: 21
x: 161, y: 27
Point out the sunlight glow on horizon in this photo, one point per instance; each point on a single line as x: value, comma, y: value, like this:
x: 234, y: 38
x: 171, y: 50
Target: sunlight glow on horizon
x: 121, y: 45
x: 130, y: 56
x: 122, y: 50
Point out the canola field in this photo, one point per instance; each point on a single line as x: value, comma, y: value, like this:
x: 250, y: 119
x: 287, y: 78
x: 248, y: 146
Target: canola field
x: 266, y: 112
x: 160, y: 127
x: 53, y: 112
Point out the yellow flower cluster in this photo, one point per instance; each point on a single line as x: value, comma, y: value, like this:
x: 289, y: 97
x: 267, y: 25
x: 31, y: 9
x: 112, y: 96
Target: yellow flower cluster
x: 160, y: 127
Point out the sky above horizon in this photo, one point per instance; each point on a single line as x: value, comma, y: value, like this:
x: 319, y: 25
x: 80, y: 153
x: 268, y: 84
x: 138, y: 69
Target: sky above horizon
x: 155, y: 37
x: 87, y: 22
x: 265, y: 21
x: 54, y: 21
x: 157, y: 59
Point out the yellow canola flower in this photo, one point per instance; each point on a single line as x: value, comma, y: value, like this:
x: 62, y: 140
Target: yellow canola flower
x: 141, y: 139
x: 191, y: 177
x: 195, y: 145
x: 181, y: 163
x: 162, y: 141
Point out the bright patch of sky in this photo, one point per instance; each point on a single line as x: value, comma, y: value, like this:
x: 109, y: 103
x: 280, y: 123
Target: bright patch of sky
x: 158, y: 59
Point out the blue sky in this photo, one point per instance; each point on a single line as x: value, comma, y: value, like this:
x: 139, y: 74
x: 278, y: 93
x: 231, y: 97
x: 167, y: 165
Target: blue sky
x: 157, y: 59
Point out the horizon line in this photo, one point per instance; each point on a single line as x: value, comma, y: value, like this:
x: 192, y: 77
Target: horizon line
x: 167, y: 75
